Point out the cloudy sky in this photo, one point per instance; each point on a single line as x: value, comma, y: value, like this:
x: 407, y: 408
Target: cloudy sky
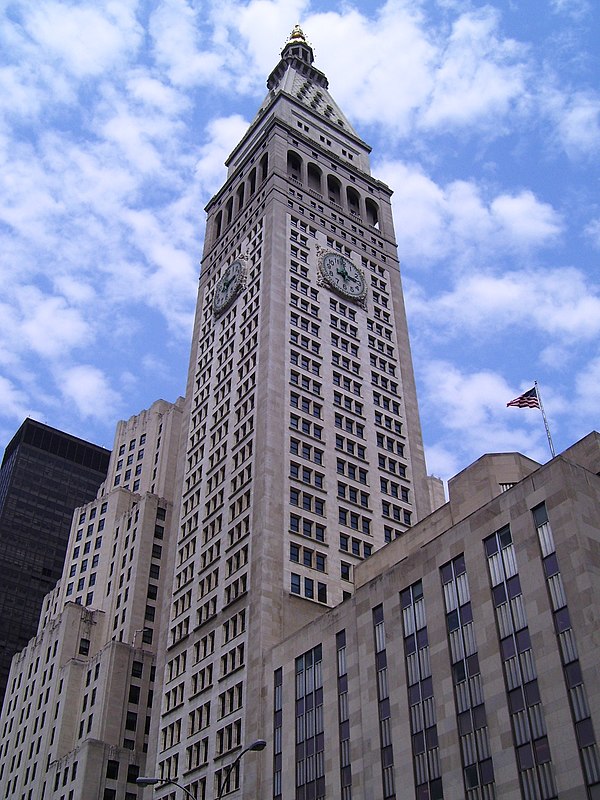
x: 116, y: 117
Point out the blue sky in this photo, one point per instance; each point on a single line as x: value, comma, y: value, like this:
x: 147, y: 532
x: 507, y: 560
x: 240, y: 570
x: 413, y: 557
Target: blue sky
x: 116, y: 118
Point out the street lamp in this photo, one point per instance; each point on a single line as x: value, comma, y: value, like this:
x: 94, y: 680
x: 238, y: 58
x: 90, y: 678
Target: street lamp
x: 147, y: 781
x: 259, y: 744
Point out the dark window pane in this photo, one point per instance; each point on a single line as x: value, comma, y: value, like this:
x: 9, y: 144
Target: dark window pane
x: 551, y: 565
x: 542, y: 750
x: 525, y: 756
x: 523, y: 640
x: 585, y: 732
x: 532, y: 693
x: 499, y: 594
x: 507, y: 648
x: 515, y: 700
x: 464, y: 723
x: 471, y: 777
x: 452, y: 621
x: 513, y: 586
x: 562, y: 621
x: 487, y: 771
x: 573, y: 674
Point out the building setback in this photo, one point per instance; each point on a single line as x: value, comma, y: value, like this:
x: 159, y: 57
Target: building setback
x: 466, y: 663
x: 76, y: 720
x: 45, y: 475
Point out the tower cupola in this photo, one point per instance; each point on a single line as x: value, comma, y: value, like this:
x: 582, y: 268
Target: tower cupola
x: 297, y: 55
x: 297, y: 47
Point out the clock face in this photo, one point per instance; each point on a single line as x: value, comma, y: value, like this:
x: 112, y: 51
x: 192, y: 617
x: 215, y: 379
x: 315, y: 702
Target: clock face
x: 343, y: 276
x: 228, y: 287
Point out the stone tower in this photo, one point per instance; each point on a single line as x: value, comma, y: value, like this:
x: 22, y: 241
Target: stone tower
x: 304, y: 452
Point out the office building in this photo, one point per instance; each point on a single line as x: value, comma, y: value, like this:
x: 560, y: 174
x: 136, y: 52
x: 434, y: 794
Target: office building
x: 76, y: 719
x: 303, y: 453
x: 466, y: 663
x: 45, y: 475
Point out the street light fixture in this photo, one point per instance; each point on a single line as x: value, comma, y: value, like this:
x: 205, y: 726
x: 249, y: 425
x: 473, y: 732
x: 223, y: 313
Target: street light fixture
x: 259, y: 744
x: 148, y: 781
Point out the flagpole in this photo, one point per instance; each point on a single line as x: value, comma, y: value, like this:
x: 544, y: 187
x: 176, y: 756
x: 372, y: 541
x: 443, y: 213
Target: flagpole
x: 539, y: 397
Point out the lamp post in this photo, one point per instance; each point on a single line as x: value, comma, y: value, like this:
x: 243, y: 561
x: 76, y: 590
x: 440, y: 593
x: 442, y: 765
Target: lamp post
x: 259, y: 744
x: 146, y: 781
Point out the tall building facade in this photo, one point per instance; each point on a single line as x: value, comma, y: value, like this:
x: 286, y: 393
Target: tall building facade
x: 76, y: 720
x: 304, y: 451
x: 466, y: 663
x: 45, y: 475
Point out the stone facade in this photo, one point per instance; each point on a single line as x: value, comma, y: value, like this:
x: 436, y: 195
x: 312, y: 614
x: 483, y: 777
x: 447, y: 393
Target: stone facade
x: 304, y: 451
x: 478, y: 626
x: 76, y: 721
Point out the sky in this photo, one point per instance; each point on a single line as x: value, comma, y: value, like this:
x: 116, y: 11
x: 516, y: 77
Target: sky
x: 116, y: 117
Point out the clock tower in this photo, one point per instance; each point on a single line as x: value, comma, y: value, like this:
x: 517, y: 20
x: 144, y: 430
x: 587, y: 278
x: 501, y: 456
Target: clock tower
x: 304, y: 452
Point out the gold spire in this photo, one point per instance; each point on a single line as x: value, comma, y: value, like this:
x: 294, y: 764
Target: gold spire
x: 297, y: 35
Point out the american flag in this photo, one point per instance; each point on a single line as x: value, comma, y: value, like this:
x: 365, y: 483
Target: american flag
x: 528, y: 399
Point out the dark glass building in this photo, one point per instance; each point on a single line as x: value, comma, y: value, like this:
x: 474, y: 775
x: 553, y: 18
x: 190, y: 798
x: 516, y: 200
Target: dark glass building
x: 45, y: 475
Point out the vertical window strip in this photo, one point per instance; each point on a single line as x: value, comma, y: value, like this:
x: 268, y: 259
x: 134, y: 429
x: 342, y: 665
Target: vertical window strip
x: 478, y: 770
x: 524, y: 703
x: 310, y: 742
x: 344, y: 717
x: 277, y: 731
x: 424, y: 737
x: 580, y: 712
x: 383, y: 699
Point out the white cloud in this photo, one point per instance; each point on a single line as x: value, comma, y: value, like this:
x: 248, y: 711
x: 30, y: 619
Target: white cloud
x: 89, y: 389
x: 587, y: 388
x: 456, y: 220
x: 175, y: 27
x: 592, y: 231
x: 223, y: 134
x: 471, y: 411
x: 579, y: 124
x: 577, y: 9
x: 479, y: 75
x: 575, y: 116
x: 49, y: 326
x: 87, y: 39
x: 525, y: 219
x: 558, y: 302
x: 13, y: 401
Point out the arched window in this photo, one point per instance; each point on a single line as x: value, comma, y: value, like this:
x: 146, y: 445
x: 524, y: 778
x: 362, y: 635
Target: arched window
x: 294, y: 166
x: 218, y: 224
x: 264, y: 167
x: 334, y: 189
x: 229, y: 211
x: 372, y: 213
x: 353, y: 199
x: 240, y: 196
x: 252, y: 180
x: 315, y: 178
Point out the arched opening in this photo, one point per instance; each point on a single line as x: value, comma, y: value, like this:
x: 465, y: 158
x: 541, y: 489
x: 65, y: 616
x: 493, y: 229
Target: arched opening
x: 315, y: 178
x: 372, y: 213
x: 240, y: 197
x: 334, y: 190
x: 229, y: 211
x: 294, y: 166
x: 252, y: 181
x: 353, y: 199
x: 264, y: 167
x: 218, y: 224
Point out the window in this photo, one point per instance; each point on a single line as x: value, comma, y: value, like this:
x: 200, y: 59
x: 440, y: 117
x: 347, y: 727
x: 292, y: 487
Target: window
x: 295, y: 583
x: 84, y: 647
